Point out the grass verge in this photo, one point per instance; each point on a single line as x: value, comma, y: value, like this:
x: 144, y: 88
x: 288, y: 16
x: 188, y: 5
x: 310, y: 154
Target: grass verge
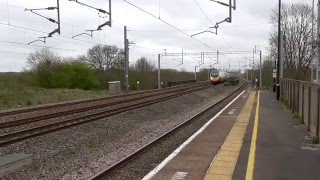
x: 16, y: 91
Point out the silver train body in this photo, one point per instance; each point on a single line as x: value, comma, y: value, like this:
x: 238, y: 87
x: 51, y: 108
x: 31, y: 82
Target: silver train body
x: 219, y: 76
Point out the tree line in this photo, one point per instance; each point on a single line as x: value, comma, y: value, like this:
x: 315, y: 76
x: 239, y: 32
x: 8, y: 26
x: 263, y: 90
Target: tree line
x: 297, y: 42
x: 101, y: 64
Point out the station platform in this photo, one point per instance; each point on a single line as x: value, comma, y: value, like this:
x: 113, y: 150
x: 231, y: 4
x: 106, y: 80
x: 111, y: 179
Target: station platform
x: 279, y: 147
x: 254, y: 137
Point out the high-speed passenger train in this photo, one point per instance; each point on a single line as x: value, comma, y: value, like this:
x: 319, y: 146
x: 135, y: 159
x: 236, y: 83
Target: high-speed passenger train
x: 218, y: 76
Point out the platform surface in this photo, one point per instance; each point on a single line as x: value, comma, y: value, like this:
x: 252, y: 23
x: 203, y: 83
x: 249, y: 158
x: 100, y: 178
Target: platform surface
x: 252, y: 139
x: 282, y: 151
x: 193, y: 161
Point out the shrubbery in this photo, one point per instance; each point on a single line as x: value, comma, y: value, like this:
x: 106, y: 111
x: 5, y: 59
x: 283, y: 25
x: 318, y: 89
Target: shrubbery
x: 92, y: 71
x: 66, y: 75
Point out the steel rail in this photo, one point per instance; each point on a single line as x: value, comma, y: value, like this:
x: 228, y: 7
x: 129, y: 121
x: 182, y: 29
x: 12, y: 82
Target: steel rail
x: 83, y: 109
x: 76, y: 102
x: 17, y: 136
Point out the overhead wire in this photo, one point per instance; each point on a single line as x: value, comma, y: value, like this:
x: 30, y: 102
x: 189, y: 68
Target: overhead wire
x: 209, y: 20
x: 39, y: 31
x: 137, y: 7
x: 72, y: 50
x: 10, y: 52
x: 62, y: 36
x: 10, y: 5
x: 42, y: 46
x: 204, y: 13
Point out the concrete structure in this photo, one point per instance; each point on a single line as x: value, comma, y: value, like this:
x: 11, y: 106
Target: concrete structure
x: 12, y: 162
x: 275, y: 146
x: 193, y: 158
x: 303, y: 98
x: 253, y: 138
x: 114, y: 87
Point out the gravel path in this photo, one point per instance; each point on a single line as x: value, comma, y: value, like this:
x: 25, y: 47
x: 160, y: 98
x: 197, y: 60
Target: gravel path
x: 82, y: 151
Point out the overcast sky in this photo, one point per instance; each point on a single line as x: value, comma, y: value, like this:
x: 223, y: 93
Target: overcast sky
x: 250, y: 26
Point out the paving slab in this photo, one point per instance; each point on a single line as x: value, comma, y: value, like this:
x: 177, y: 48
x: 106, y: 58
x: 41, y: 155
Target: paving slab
x: 223, y: 165
x: 282, y: 151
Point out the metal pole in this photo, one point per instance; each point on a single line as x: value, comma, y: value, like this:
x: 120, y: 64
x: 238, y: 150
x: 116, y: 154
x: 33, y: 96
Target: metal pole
x: 159, y: 83
x: 230, y: 11
x: 127, y: 67
x: 247, y: 73
x: 58, y: 9
x: 312, y: 39
x: 279, y: 51
x: 318, y: 40
x: 126, y: 49
x: 253, y: 55
x: 209, y: 71
x: 260, y: 82
x: 203, y: 58
x: 218, y: 57
x: 252, y: 73
x: 195, y: 73
x: 182, y: 57
x: 110, y: 13
x: 281, y: 55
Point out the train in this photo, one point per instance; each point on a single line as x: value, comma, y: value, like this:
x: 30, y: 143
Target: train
x: 219, y: 76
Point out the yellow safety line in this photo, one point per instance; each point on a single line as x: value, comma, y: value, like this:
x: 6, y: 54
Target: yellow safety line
x: 252, y: 154
x: 223, y: 165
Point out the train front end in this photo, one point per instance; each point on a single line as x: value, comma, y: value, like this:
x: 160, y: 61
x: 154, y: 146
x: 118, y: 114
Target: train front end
x: 215, y: 78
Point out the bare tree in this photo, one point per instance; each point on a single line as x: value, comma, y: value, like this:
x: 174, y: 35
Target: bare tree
x: 42, y: 57
x: 298, y: 53
x: 94, y: 57
x: 119, y: 61
x: 143, y: 65
x: 104, y: 57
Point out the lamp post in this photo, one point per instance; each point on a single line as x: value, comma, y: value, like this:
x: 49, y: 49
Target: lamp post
x: 279, y: 52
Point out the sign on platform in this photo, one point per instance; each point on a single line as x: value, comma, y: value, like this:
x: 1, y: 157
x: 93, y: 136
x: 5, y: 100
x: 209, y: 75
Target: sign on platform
x: 274, y: 74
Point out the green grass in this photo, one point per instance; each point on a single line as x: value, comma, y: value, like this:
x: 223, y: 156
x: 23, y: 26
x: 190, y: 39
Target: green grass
x: 16, y: 90
x: 285, y: 103
x: 70, y: 151
x: 91, y: 145
x: 298, y: 118
x: 231, y: 82
x: 314, y: 140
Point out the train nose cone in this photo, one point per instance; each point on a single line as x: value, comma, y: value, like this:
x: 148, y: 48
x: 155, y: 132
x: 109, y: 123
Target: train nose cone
x: 215, y: 80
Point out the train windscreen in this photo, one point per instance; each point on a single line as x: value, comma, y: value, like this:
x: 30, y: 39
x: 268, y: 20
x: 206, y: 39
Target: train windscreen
x: 214, y: 74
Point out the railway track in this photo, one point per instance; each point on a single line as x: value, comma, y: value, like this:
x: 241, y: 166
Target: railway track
x: 126, y: 105
x: 116, y: 169
x: 114, y: 100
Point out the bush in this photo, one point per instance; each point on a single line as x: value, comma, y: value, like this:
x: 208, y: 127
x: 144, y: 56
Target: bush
x: 315, y: 140
x: 80, y: 76
x: 66, y: 75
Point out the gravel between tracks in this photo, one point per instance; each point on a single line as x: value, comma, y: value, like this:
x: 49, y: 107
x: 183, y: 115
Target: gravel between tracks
x: 74, y: 115
x: 80, y: 104
x: 82, y: 151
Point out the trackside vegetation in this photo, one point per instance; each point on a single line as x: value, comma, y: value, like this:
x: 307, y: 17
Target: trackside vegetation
x: 50, y: 78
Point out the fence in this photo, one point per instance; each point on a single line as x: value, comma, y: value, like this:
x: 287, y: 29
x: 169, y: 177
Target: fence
x: 303, y: 98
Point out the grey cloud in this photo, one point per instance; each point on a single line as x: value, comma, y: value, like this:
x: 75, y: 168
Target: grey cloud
x: 146, y: 30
